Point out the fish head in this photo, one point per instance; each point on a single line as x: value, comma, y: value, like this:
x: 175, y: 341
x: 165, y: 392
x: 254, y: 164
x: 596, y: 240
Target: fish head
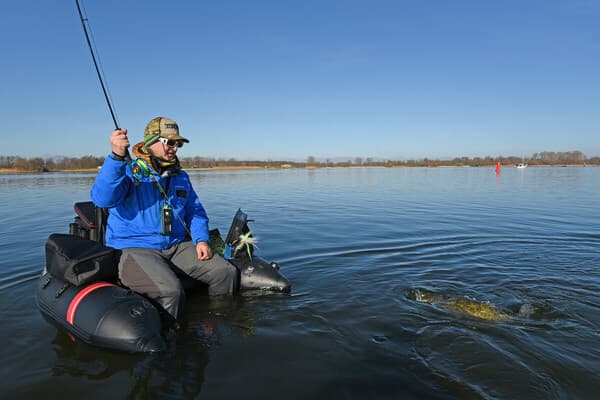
x: 424, y: 296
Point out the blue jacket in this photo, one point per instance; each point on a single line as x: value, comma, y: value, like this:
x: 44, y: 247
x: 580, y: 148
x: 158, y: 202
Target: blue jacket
x: 135, y: 210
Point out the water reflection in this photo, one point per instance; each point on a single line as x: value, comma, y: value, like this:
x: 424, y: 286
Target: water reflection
x: 77, y: 359
x: 176, y: 373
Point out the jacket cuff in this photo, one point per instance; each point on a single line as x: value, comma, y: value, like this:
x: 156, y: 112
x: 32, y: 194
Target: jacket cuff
x: 116, y: 157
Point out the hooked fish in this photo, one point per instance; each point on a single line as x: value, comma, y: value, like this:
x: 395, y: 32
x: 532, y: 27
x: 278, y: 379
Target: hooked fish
x: 481, y: 310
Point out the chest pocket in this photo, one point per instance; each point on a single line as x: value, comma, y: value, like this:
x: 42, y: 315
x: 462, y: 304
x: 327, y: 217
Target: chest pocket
x: 181, y: 195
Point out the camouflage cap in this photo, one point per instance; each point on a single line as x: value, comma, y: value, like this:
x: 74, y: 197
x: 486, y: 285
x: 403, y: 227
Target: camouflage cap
x: 162, y: 127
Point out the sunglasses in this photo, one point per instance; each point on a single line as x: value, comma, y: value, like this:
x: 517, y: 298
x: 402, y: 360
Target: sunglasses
x: 171, y: 142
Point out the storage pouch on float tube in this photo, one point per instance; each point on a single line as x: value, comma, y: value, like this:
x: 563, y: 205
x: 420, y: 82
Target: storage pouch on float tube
x: 80, y: 261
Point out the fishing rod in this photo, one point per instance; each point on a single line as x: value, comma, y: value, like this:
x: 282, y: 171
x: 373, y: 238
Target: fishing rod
x: 139, y: 167
x: 87, y: 38
x: 106, y: 97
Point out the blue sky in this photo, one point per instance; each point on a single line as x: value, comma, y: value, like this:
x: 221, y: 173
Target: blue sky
x: 282, y: 79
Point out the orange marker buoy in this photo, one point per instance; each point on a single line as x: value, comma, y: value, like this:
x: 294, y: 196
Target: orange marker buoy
x: 498, y: 168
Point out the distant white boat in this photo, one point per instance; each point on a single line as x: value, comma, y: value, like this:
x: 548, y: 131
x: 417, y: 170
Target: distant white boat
x: 521, y: 165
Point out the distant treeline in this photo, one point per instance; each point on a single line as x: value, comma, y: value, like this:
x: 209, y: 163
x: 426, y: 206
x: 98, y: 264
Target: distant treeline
x: 38, y: 164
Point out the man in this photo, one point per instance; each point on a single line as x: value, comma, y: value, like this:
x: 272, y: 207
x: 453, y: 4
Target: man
x: 157, y: 220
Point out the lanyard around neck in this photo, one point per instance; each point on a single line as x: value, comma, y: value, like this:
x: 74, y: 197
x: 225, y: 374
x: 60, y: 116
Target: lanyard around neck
x: 160, y: 188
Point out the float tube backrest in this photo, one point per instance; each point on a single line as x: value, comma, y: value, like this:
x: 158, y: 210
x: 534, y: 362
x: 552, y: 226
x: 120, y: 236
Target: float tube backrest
x: 90, y: 222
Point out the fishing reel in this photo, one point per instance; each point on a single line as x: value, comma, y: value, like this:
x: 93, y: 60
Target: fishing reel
x: 140, y: 169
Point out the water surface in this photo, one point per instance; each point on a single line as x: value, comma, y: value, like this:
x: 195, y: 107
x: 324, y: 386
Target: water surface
x: 355, y: 244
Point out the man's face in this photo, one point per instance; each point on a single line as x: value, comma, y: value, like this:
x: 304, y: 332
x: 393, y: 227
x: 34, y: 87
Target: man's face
x: 165, y: 148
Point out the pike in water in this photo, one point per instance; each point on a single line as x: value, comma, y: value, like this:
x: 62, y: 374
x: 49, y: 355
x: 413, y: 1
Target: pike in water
x: 481, y: 310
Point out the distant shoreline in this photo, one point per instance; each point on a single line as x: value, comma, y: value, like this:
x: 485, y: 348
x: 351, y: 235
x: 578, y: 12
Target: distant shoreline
x: 11, y: 171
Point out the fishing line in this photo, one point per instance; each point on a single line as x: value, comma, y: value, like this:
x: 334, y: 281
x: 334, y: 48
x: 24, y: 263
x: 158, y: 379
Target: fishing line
x: 104, y: 89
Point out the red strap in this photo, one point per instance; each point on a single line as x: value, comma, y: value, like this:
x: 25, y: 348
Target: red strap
x: 79, y: 296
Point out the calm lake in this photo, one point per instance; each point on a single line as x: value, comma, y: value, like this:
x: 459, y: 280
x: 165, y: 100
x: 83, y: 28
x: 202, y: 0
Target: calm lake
x: 360, y: 246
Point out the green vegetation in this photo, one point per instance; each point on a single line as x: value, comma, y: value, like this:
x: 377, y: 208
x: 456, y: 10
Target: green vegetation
x: 546, y: 158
